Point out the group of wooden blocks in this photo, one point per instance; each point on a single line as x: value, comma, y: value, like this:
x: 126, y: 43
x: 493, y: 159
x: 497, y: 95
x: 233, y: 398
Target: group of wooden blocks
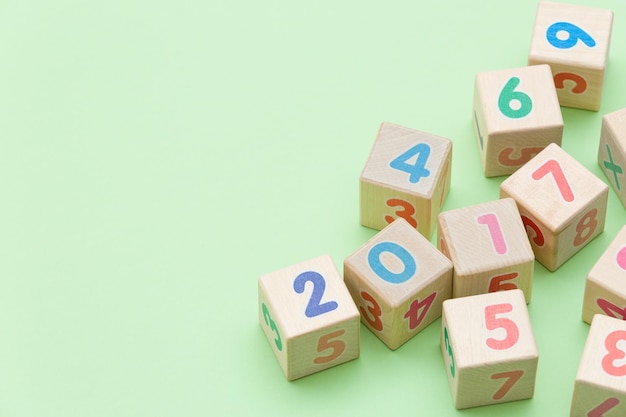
x: 478, y: 278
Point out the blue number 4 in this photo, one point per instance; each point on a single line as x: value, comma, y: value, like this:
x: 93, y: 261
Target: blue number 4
x: 418, y: 170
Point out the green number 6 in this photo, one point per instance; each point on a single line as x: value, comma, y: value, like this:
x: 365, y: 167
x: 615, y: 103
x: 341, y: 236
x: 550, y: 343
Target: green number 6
x: 508, y: 95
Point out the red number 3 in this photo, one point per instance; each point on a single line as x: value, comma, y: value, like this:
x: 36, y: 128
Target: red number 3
x: 406, y: 214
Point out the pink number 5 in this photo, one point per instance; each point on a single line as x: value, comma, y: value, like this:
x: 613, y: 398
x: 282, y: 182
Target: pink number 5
x: 553, y: 167
x: 493, y: 323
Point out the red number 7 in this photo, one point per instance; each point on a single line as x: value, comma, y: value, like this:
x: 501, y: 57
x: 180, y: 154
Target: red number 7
x: 553, y: 167
x: 513, y: 377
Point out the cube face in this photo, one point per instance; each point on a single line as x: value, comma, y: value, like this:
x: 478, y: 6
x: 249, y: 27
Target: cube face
x: 488, y: 348
x: 488, y: 247
x: 612, y: 151
x: 407, y: 175
x: 605, y: 288
x: 574, y: 41
x: 600, y: 387
x: 562, y: 204
x: 516, y: 115
x: 308, y: 317
x: 399, y: 281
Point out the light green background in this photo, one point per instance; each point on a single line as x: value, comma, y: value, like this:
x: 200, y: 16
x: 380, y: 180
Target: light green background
x: 157, y: 157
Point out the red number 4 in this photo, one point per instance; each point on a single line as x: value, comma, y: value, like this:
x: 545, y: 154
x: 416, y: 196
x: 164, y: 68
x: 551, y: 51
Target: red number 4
x: 414, y: 315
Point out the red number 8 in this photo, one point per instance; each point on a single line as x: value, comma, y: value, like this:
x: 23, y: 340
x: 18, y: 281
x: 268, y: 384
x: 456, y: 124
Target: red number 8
x: 610, y: 343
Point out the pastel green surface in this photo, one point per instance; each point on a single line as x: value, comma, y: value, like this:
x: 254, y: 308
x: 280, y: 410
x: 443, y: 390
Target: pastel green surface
x: 158, y: 157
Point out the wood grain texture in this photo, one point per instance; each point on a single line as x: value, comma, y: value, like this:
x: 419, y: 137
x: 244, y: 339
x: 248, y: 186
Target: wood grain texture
x: 481, y: 264
x: 580, y: 65
x: 397, y: 311
x: 505, y: 143
x: 562, y: 203
x: 387, y: 193
x: 305, y: 342
x: 600, y: 387
x: 605, y: 292
x: 488, y: 361
x: 612, y: 151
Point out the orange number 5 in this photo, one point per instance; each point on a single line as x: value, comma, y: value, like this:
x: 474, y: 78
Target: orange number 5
x: 325, y: 343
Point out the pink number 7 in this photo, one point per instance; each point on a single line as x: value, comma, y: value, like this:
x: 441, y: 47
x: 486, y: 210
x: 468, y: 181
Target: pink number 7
x: 553, y: 167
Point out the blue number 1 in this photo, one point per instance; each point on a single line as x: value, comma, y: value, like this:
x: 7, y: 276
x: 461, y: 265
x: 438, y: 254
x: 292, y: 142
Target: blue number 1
x: 574, y: 34
x: 418, y: 170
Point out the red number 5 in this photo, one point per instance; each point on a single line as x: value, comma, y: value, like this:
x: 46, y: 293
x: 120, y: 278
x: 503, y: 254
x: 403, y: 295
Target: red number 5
x: 492, y: 323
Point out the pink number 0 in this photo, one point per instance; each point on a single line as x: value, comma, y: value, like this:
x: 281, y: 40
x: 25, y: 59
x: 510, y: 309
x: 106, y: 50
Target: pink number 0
x: 621, y: 258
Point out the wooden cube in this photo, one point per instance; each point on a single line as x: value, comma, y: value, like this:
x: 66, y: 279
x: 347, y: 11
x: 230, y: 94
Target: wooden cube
x: 599, y: 389
x: 407, y: 175
x: 488, y: 348
x: 308, y: 317
x: 516, y: 115
x: 488, y: 247
x: 399, y: 280
x: 612, y: 151
x: 562, y: 204
x: 574, y: 41
x: 605, y: 292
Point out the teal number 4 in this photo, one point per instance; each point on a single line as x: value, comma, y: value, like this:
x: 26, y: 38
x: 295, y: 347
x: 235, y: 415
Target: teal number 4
x: 613, y: 167
x: 418, y: 170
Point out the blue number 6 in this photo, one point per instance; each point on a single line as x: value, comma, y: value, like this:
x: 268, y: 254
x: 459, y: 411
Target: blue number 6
x: 574, y: 34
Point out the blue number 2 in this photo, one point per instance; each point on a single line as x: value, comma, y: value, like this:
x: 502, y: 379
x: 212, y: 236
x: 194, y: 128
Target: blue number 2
x: 314, y: 308
x: 418, y: 170
x: 574, y: 33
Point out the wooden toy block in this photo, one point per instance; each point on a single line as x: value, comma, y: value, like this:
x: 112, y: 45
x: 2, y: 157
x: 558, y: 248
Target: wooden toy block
x: 612, y: 151
x: 308, y: 317
x: 516, y: 115
x: 488, y: 349
x: 605, y: 292
x: 600, y: 387
x: 562, y: 204
x: 574, y: 41
x: 488, y: 247
x: 399, y: 280
x: 406, y: 175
